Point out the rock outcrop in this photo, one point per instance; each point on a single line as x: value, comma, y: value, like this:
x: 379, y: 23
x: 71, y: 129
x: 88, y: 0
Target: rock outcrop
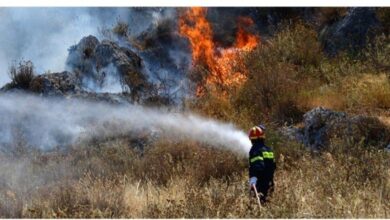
x: 56, y: 84
x: 320, y: 125
x: 106, y: 64
x: 99, y: 71
x: 351, y: 32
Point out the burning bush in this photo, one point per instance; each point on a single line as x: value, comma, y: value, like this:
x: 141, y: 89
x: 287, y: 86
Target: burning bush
x: 220, y: 63
x: 276, y: 75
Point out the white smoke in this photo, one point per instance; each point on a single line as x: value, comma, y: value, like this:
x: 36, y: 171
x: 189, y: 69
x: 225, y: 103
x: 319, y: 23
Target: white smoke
x: 110, y: 83
x: 47, y: 123
x: 43, y: 35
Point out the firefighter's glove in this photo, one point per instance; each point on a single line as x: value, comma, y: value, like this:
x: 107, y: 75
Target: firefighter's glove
x: 252, y: 181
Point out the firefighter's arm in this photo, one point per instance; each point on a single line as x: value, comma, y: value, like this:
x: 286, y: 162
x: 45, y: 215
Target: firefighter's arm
x: 256, y: 164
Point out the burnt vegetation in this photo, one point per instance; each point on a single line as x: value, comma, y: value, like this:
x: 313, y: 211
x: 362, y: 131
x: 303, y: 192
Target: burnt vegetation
x: 21, y: 74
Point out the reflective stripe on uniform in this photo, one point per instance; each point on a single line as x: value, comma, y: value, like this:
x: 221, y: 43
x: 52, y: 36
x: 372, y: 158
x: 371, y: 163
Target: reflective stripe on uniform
x: 256, y: 159
x: 268, y: 155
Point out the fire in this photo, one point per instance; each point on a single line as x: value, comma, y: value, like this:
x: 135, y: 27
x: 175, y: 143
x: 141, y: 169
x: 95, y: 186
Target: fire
x: 245, y: 40
x: 220, y: 62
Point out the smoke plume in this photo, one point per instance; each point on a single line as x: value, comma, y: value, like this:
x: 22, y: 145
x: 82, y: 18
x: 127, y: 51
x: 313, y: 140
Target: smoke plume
x: 48, y: 123
x: 43, y: 35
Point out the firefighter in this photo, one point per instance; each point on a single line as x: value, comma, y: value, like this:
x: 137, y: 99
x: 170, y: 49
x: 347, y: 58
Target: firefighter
x: 261, y: 163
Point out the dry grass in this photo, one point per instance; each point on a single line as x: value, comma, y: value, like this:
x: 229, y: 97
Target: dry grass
x: 289, y: 75
x: 360, y: 93
x: 174, y: 180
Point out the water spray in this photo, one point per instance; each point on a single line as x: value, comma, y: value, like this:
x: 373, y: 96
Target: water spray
x: 47, y: 123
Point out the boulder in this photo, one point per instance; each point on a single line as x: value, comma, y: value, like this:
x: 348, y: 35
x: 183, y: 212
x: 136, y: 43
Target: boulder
x: 82, y: 55
x: 109, y: 52
x: 104, y: 65
x: 320, y: 125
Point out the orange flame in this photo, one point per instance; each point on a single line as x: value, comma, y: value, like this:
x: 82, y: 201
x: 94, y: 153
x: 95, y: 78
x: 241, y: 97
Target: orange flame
x: 219, y: 61
x: 245, y: 40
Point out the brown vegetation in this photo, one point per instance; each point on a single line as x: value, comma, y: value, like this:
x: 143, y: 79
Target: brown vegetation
x: 287, y: 76
x: 181, y: 179
x: 21, y: 74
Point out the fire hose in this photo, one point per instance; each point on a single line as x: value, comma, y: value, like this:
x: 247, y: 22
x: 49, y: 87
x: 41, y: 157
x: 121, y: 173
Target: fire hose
x: 257, y: 195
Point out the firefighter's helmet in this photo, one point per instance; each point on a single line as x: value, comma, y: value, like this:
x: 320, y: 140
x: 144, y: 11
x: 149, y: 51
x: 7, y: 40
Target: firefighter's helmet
x: 256, y: 133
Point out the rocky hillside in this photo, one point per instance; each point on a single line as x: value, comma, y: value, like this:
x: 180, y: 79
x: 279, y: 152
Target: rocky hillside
x: 321, y: 125
x: 102, y: 71
x: 113, y: 70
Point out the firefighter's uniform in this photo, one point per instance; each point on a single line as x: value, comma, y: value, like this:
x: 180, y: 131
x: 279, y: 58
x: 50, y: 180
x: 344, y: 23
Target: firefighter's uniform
x: 261, y: 163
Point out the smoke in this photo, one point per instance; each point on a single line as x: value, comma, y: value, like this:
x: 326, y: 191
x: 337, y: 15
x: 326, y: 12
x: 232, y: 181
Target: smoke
x: 48, y: 123
x: 111, y: 82
x: 141, y: 19
x: 166, y: 54
x: 43, y: 35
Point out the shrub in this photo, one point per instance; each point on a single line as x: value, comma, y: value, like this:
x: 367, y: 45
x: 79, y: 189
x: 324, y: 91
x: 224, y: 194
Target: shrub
x: 278, y: 70
x: 377, y: 54
x: 22, y: 74
x: 297, y: 44
x: 270, y: 85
